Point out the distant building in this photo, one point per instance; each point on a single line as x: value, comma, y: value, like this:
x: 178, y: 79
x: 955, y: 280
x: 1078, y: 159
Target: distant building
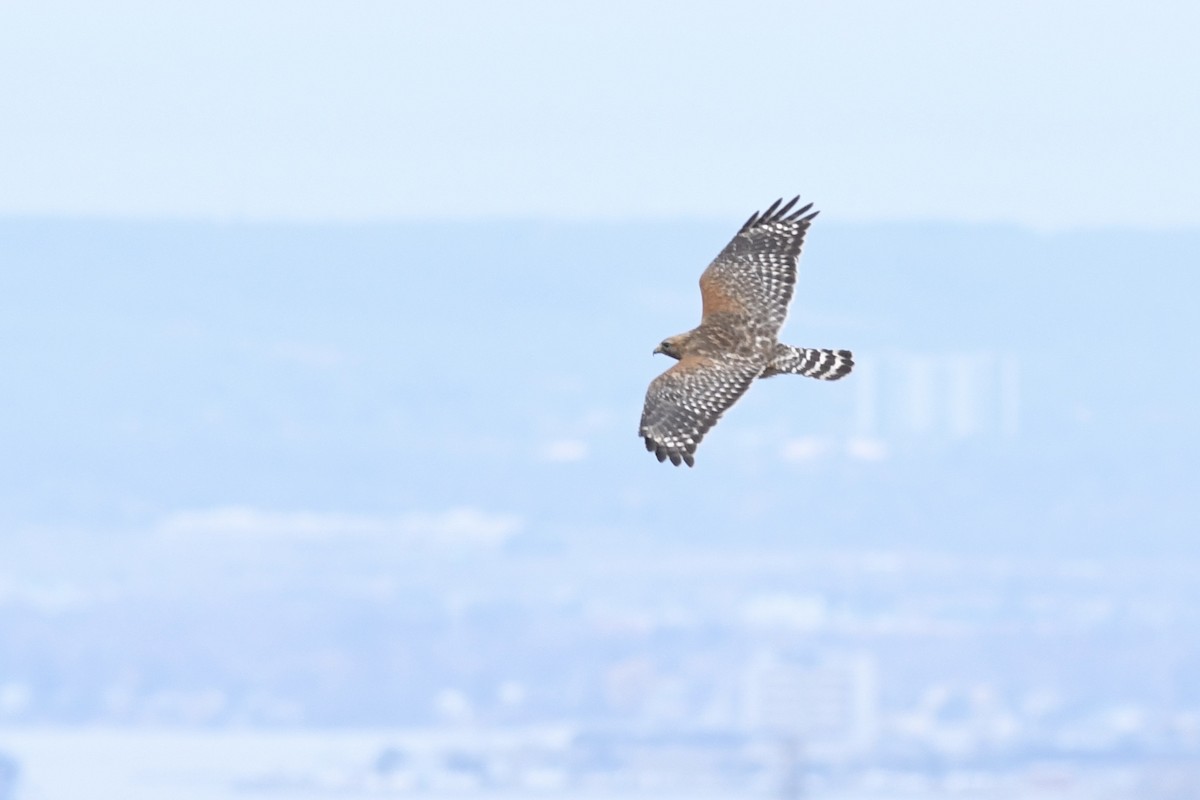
x: 924, y: 398
x: 9, y: 771
x: 828, y: 702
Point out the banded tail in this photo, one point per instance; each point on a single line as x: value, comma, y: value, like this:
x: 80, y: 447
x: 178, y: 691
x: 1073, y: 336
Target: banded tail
x: 827, y: 365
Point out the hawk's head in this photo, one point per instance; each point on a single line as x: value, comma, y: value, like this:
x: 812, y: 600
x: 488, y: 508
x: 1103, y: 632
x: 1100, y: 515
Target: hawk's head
x: 671, y: 347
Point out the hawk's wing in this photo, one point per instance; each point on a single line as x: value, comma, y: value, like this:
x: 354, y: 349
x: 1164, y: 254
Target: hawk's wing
x: 754, y: 276
x: 688, y: 399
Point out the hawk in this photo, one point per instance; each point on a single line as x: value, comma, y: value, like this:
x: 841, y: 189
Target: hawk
x: 746, y: 291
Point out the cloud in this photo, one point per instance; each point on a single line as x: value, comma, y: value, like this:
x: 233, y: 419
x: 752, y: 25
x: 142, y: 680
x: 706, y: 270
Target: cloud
x: 865, y: 449
x: 564, y: 450
x: 47, y: 598
x: 812, y: 448
x: 806, y: 448
x: 454, y: 527
x: 310, y: 356
x: 801, y: 613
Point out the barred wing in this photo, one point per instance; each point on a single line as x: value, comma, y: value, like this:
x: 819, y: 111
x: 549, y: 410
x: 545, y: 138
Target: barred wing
x: 684, y: 402
x: 755, y: 275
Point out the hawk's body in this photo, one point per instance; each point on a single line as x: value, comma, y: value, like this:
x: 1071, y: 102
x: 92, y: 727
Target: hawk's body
x: 746, y: 291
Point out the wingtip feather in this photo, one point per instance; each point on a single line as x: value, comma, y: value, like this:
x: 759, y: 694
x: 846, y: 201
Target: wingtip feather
x: 800, y: 212
x: 786, y: 208
x: 781, y: 212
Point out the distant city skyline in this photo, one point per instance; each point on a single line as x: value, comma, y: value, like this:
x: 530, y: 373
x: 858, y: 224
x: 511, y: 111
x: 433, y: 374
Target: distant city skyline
x: 1047, y: 115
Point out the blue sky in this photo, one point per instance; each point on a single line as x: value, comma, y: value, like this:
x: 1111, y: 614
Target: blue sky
x: 1045, y: 114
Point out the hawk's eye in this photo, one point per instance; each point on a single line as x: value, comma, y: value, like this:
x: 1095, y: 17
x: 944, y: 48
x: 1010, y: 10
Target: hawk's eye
x: 666, y: 346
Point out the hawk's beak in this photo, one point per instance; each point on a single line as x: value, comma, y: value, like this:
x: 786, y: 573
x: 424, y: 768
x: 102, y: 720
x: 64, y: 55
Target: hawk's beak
x: 657, y: 350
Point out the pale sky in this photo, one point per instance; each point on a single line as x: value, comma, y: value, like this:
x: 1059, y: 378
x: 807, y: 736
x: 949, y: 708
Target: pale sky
x: 1048, y: 114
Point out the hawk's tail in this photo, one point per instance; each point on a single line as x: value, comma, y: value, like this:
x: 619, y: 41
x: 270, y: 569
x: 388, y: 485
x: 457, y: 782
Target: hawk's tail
x: 828, y: 365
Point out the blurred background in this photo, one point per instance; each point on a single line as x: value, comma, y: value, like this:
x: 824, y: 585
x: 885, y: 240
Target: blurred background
x: 324, y: 332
